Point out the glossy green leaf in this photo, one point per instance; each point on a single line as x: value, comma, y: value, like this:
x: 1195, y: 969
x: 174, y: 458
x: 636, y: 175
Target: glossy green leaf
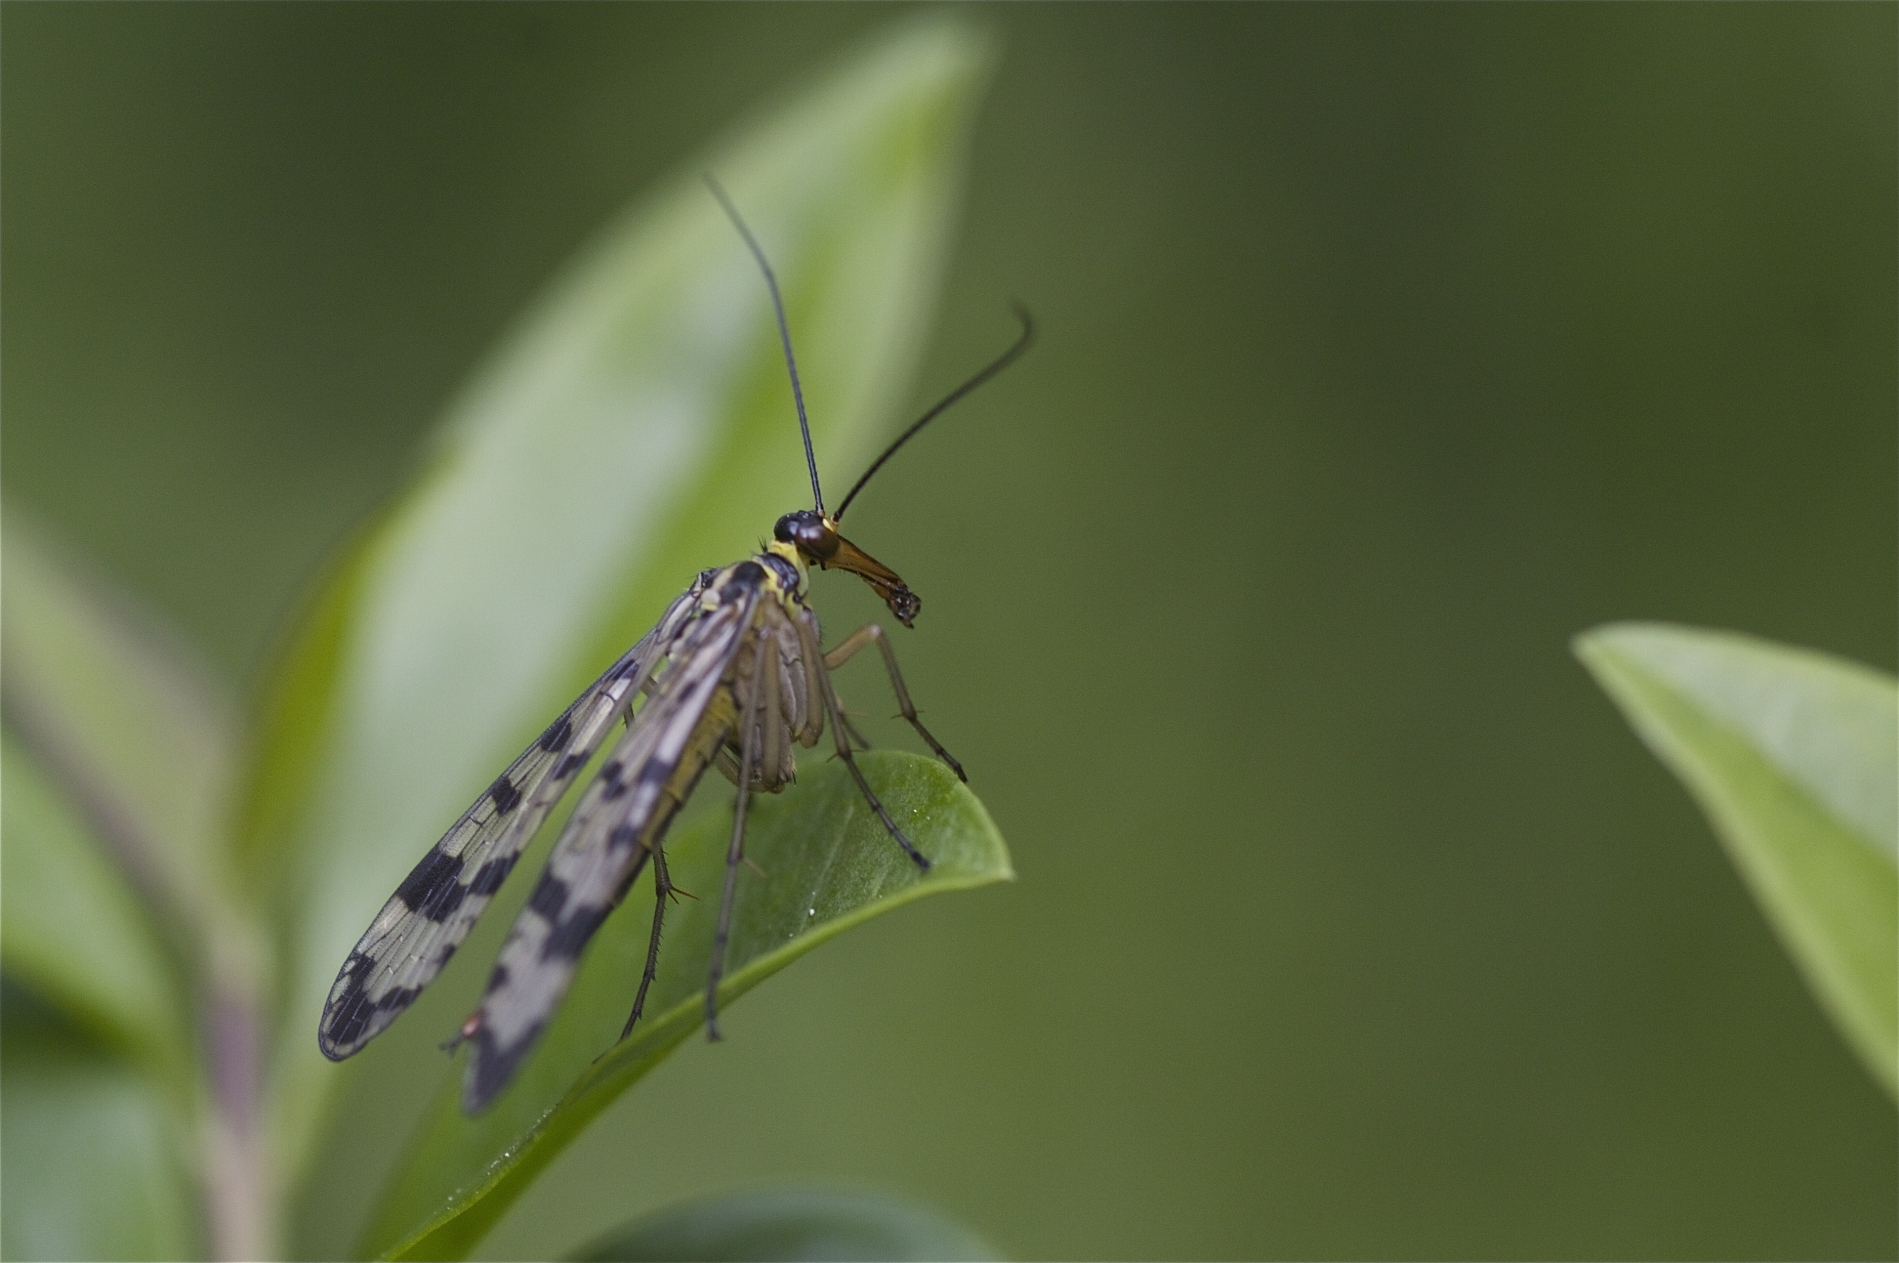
x: 123, y: 717
x: 96, y: 1161
x: 827, y: 865
x: 1794, y: 756
x: 635, y: 428
x: 73, y: 931
x: 783, y: 1224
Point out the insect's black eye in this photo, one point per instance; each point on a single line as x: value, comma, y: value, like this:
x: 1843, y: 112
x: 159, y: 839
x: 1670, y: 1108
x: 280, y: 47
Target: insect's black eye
x: 809, y: 531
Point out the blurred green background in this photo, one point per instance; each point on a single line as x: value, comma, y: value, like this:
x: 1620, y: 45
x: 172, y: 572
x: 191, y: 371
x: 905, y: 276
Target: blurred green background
x: 1384, y: 348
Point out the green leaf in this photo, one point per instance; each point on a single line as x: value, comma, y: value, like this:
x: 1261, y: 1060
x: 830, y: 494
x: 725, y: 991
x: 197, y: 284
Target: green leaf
x: 634, y: 429
x: 1794, y: 756
x: 829, y: 865
x: 95, y: 1155
x: 123, y: 717
x: 73, y: 931
x: 779, y: 1224
x: 117, y: 756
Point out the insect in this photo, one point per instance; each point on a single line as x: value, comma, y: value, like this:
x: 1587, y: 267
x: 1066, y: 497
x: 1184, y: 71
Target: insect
x: 732, y: 676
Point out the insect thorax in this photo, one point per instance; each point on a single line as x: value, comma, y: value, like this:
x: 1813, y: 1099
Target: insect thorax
x: 772, y: 673
x: 787, y: 567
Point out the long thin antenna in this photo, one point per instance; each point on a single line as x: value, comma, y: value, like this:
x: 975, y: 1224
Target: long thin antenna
x: 784, y: 331
x: 1001, y: 362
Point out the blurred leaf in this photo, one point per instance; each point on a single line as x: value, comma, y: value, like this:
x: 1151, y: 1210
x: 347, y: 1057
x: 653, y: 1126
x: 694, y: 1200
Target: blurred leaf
x: 127, y: 733
x: 635, y: 428
x: 782, y: 1224
x: 94, y: 1163
x: 1794, y: 755
x: 122, y: 717
x: 830, y: 866
x: 72, y: 929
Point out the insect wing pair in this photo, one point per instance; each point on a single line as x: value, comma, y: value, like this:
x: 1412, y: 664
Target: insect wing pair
x: 733, y: 674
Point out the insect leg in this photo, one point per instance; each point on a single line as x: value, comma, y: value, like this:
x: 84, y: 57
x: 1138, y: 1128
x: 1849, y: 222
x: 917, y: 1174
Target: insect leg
x: 847, y: 650
x: 808, y: 680
x: 748, y: 728
x: 775, y: 739
x: 662, y: 891
x: 835, y: 708
x: 858, y: 739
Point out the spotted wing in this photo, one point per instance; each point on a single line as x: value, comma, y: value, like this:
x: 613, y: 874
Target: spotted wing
x: 437, y: 904
x: 606, y: 843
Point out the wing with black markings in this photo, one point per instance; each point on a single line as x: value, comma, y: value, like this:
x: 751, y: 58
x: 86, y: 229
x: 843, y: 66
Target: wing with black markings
x: 434, y: 908
x: 605, y: 844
